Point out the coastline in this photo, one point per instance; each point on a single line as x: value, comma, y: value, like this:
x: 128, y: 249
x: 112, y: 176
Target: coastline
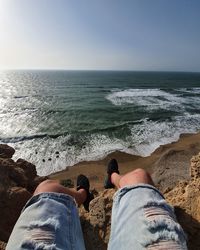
x: 95, y: 170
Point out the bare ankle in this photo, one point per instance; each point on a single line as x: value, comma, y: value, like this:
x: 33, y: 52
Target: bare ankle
x: 80, y: 196
x: 115, y: 179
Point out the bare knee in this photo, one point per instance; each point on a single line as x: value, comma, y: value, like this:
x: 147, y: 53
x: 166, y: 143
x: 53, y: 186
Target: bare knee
x: 46, y: 183
x: 137, y: 176
x: 143, y: 176
x: 142, y: 173
x: 47, y: 186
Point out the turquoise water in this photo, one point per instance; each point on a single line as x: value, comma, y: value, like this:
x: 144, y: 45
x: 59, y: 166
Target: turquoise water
x: 86, y: 115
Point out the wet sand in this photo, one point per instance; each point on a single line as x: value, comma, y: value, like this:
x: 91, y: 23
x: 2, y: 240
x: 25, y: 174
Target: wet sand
x: 96, y: 170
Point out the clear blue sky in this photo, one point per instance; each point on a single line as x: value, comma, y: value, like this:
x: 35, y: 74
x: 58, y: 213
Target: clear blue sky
x: 100, y: 34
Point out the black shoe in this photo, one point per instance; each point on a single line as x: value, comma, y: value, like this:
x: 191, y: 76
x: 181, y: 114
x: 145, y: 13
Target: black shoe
x: 111, y: 168
x: 83, y: 183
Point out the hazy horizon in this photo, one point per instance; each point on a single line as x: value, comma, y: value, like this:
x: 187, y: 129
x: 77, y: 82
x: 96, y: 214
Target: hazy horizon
x: 103, y: 70
x: 138, y: 35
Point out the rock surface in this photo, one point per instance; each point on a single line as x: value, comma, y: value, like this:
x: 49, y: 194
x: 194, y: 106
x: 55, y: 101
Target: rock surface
x: 172, y: 166
x: 6, y: 151
x: 96, y: 223
x: 186, y: 199
x: 13, y: 200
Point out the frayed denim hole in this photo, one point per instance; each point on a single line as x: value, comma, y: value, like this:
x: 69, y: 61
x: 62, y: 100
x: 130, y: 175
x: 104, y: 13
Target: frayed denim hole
x: 151, y: 213
x: 165, y: 245
x: 39, y: 238
x: 41, y: 235
x: 31, y: 245
x: 51, y: 223
x: 163, y: 224
x: 166, y: 229
x: 162, y: 205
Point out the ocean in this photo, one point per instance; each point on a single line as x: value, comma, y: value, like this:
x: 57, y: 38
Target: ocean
x: 56, y: 119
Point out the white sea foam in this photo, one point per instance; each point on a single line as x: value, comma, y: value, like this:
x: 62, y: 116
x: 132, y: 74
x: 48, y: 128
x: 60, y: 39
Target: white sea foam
x: 150, y: 134
x: 151, y: 99
x: 97, y: 147
x: 143, y: 139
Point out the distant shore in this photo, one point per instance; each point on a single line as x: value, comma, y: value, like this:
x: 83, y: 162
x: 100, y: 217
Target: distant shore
x: 95, y: 170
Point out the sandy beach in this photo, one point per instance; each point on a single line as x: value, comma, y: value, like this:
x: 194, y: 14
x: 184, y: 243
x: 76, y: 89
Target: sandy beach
x: 187, y: 145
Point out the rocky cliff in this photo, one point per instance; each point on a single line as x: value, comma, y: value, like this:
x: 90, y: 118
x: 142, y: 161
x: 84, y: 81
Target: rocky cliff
x: 19, y: 179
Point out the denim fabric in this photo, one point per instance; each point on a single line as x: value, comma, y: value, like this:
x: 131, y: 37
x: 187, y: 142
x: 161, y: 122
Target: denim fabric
x: 141, y: 219
x: 48, y: 221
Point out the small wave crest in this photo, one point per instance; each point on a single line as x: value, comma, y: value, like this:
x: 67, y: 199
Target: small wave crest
x: 22, y: 138
x: 76, y: 133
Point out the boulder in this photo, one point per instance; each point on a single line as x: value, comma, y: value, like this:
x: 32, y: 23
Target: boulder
x: 10, y: 175
x: 11, y: 203
x: 29, y: 168
x: 6, y: 151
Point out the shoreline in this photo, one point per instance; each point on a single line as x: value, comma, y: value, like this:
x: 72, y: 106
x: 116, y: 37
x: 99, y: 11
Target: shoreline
x: 95, y: 170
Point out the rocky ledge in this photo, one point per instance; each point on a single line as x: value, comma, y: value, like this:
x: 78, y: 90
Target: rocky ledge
x: 19, y: 179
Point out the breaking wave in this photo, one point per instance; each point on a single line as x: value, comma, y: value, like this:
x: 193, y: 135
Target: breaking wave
x: 142, y: 139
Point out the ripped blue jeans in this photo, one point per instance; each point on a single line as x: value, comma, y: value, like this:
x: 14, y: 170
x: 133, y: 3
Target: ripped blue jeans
x: 49, y: 221
x: 141, y: 219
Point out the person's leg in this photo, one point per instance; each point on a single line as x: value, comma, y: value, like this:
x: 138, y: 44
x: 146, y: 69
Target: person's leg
x: 134, y: 177
x: 50, y: 218
x: 54, y: 186
x: 141, y: 218
x: 81, y: 194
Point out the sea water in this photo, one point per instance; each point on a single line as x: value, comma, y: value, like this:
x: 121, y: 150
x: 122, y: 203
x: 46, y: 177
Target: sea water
x: 59, y: 118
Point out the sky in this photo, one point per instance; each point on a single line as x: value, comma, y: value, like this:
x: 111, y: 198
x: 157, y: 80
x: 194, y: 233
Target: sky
x: 100, y: 34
